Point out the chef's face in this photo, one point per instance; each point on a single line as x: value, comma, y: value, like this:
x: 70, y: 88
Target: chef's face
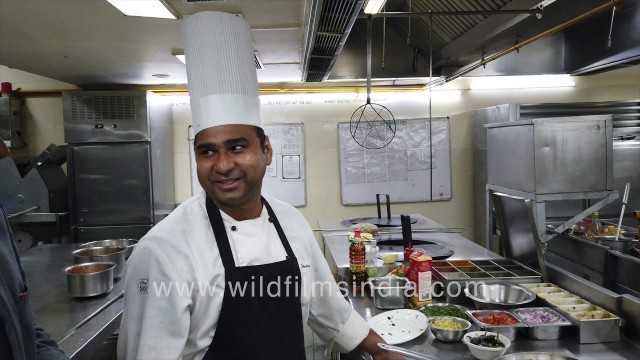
x: 231, y: 163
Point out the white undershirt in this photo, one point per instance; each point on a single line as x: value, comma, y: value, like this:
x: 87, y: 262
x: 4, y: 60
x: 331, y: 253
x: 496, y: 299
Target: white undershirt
x: 254, y: 241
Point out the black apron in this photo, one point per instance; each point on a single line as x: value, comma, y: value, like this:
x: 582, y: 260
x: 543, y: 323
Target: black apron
x: 257, y: 325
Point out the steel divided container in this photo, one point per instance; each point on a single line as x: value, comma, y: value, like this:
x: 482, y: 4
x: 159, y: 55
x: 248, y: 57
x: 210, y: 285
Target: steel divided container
x: 453, y: 276
x: 595, y: 325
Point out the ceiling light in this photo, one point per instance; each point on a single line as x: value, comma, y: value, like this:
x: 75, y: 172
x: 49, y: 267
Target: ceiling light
x: 373, y: 6
x: 521, y: 82
x: 144, y: 8
x: 181, y: 57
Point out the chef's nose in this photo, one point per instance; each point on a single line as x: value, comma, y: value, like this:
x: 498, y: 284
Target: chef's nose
x: 224, y: 163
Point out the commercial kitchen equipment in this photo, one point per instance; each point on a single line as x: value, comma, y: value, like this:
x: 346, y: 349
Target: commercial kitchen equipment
x: 120, y: 162
x: 35, y: 191
x: 625, y: 156
x: 11, y: 121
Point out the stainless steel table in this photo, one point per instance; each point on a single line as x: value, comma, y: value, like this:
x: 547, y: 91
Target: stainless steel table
x: 427, y: 343
x: 337, y: 242
x: 79, y: 326
x: 464, y: 249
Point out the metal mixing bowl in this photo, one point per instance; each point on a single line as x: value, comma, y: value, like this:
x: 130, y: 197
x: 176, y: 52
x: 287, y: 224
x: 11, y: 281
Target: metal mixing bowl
x: 446, y: 335
x: 499, y: 296
x: 90, y: 279
x: 113, y: 254
x: 535, y: 356
x: 128, y: 243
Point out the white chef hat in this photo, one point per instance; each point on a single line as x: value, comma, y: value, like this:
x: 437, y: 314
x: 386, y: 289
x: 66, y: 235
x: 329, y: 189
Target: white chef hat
x: 221, y: 70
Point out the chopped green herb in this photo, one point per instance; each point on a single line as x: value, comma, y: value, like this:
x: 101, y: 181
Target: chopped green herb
x: 446, y: 310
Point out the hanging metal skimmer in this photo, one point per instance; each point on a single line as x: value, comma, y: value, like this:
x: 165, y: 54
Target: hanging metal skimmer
x: 372, y: 125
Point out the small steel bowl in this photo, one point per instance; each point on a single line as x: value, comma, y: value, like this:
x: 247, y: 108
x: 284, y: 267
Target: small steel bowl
x: 113, y: 254
x: 90, y: 279
x: 128, y: 243
x: 447, y: 335
x: 499, y: 296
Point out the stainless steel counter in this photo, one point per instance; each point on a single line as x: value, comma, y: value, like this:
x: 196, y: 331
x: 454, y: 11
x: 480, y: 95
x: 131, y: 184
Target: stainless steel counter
x: 427, y: 343
x: 79, y: 326
x: 337, y: 243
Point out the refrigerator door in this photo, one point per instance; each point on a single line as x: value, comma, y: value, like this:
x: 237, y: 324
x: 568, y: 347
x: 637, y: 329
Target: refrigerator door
x: 111, y: 184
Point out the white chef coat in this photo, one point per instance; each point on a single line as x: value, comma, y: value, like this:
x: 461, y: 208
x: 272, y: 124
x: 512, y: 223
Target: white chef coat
x: 164, y: 319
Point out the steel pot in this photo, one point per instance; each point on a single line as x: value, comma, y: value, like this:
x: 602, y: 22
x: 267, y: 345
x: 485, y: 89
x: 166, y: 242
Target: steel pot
x: 115, y: 254
x: 128, y: 243
x: 90, y: 279
x: 622, y: 245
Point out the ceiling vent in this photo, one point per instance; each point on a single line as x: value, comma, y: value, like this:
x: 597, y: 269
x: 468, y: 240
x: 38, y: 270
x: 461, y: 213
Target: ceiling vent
x: 330, y: 23
x: 259, y: 63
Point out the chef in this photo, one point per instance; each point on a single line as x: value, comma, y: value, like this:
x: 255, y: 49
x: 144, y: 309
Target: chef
x: 231, y: 274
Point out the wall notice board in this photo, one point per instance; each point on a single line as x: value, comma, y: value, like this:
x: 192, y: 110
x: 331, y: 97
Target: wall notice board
x: 414, y: 167
x: 285, y: 177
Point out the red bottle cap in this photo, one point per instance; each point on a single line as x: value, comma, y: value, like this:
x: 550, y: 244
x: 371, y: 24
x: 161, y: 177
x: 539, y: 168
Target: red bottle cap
x: 6, y: 88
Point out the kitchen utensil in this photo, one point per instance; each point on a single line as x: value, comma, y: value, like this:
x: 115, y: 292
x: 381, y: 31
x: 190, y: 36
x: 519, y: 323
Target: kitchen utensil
x: 538, y: 330
x: 482, y: 352
x: 398, y: 326
x: 536, y: 356
x: 128, y: 243
x: 115, y: 254
x: 405, y: 220
x: 509, y: 331
x: 90, y: 279
x: 621, y: 244
x: 625, y: 197
x: 372, y: 125
x: 448, y: 335
x: 389, y: 293
x: 498, y: 296
x: 404, y: 352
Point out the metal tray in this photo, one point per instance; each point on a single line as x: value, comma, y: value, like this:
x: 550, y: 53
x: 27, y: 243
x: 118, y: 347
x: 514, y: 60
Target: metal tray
x: 536, y: 331
x: 510, y: 331
x: 593, y: 326
x: 454, y: 275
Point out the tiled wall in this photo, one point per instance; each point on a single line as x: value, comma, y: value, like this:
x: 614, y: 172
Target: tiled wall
x: 43, y: 124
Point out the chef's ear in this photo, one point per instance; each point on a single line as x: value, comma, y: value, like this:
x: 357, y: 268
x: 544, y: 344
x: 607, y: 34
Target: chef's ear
x: 268, y: 151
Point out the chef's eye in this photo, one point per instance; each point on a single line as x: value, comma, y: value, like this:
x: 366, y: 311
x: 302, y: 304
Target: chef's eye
x: 206, y: 152
x: 237, y: 148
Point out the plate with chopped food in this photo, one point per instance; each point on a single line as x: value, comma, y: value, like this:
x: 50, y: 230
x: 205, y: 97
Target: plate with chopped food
x: 399, y: 326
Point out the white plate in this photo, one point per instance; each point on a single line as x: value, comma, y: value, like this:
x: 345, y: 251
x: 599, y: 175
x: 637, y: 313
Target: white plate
x: 398, y: 326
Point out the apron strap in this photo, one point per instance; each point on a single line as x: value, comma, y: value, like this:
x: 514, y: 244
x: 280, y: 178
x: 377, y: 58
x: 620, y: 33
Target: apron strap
x: 283, y: 238
x: 220, y: 233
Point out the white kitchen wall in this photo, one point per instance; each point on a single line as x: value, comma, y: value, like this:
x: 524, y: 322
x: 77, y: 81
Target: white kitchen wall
x: 321, y: 112
x: 42, y: 115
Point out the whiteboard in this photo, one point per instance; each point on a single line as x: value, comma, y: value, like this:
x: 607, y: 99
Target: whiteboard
x: 414, y: 167
x: 285, y: 178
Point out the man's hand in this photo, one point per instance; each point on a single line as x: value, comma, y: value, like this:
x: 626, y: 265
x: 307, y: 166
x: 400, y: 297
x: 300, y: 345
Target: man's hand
x: 370, y: 345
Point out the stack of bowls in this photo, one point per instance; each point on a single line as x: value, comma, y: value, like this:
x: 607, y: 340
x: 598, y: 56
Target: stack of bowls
x: 97, y: 265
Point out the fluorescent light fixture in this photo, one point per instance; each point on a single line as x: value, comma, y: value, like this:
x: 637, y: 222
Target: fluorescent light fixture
x: 181, y: 57
x: 373, y: 6
x: 144, y: 8
x: 520, y: 82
